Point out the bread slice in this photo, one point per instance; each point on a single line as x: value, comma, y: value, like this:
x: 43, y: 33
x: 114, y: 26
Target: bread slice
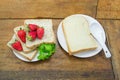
x: 25, y: 49
x: 28, y: 56
x: 77, y: 34
x: 48, y: 37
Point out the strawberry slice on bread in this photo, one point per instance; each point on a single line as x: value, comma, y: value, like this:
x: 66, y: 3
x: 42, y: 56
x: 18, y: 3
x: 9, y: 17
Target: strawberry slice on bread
x: 40, y: 32
x: 22, y: 35
x: 17, y: 45
x: 32, y: 27
x: 32, y: 35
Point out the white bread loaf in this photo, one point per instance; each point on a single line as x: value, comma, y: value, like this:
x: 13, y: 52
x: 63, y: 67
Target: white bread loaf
x: 77, y: 34
x: 28, y: 56
x: 25, y: 49
x: 48, y: 37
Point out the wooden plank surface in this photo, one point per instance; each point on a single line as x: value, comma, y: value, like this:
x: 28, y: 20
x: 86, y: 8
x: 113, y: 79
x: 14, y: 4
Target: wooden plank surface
x: 46, y: 8
x: 60, y: 66
x: 113, y: 29
x: 108, y: 9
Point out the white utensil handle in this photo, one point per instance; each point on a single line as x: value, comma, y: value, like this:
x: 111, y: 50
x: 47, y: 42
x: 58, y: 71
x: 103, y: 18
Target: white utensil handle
x: 105, y: 49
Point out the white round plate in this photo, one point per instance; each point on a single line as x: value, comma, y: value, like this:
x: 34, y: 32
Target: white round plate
x: 24, y: 59
x: 86, y: 54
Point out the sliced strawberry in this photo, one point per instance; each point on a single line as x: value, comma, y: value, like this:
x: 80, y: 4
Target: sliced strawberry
x: 17, y: 45
x: 32, y: 27
x: 40, y: 32
x: 22, y: 35
x: 32, y: 35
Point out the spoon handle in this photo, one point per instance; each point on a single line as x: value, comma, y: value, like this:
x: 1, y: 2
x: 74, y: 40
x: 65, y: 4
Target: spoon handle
x: 105, y: 49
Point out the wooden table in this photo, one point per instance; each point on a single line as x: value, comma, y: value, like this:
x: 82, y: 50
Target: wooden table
x: 60, y: 66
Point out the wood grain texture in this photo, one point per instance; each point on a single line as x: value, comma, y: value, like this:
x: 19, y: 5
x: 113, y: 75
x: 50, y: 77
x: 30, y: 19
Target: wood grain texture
x: 113, y: 29
x: 46, y: 8
x: 60, y: 66
x: 108, y: 9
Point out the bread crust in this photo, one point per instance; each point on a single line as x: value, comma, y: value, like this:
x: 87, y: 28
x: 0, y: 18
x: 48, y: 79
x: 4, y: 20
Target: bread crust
x: 26, y: 56
x: 69, y: 51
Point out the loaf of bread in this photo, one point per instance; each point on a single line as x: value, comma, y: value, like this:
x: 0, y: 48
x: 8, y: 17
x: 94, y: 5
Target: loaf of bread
x: 77, y: 34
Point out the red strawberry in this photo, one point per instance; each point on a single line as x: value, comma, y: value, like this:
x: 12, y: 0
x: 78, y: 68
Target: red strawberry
x: 32, y: 27
x: 40, y: 32
x: 32, y: 35
x: 17, y: 45
x: 22, y: 35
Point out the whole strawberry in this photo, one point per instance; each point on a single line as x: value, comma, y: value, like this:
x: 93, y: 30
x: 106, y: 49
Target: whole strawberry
x: 22, y: 35
x: 32, y: 27
x: 32, y: 35
x: 17, y: 45
x: 40, y: 32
